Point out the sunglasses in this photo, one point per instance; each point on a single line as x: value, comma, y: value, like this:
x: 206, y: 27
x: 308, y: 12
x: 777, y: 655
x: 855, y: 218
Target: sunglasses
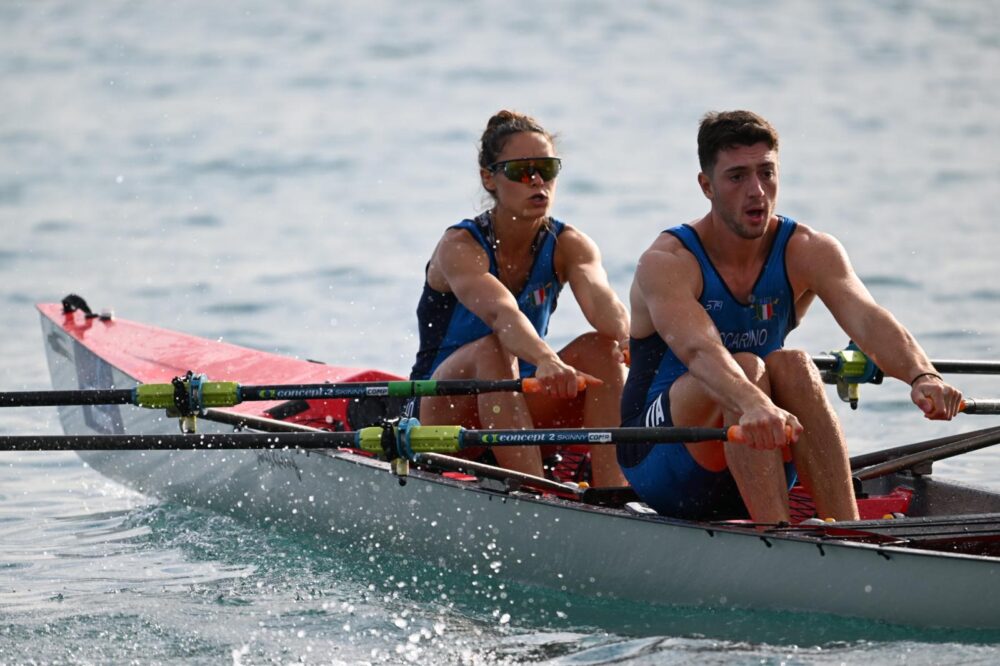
x: 522, y: 170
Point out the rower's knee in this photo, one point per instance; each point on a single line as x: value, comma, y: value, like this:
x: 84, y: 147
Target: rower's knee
x: 753, y: 367
x: 792, y: 367
x: 595, y: 343
x: 493, y: 361
x: 597, y: 355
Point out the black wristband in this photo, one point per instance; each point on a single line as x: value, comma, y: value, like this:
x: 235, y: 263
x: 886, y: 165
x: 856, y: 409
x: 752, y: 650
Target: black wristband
x: 926, y: 374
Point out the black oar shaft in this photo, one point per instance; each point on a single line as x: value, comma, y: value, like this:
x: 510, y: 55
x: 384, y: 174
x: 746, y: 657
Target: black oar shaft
x: 931, y: 455
x: 58, y: 398
x: 946, y: 366
x: 875, y: 457
x: 198, y: 393
x: 401, y: 389
x: 179, y: 442
x: 590, y: 436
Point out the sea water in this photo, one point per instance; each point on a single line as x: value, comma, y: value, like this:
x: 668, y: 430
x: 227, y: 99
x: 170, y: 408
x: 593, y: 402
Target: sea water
x: 276, y: 174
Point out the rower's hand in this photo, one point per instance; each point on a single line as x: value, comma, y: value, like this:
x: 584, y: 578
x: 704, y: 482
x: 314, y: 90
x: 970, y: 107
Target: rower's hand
x: 769, y: 427
x: 562, y: 380
x: 938, y: 400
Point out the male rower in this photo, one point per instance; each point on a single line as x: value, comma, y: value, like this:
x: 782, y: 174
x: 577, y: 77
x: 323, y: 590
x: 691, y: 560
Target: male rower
x: 712, y: 302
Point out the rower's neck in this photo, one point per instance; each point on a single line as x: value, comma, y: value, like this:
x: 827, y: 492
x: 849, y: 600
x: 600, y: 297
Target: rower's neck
x: 514, y: 231
x: 725, y: 247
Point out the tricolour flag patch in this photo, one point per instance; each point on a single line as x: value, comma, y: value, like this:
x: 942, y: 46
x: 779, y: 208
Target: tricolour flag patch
x: 538, y: 295
x: 763, y: 311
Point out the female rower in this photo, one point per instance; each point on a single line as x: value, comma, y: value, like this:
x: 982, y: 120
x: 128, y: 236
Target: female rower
x: 491, y: 286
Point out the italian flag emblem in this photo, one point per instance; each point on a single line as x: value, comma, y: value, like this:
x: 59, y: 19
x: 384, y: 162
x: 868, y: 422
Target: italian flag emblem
x: 763, y: 311
x: 538, y: 295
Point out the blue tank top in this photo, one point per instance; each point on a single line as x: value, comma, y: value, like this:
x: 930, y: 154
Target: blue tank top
x: 446, y: 325
x: 758, y: 327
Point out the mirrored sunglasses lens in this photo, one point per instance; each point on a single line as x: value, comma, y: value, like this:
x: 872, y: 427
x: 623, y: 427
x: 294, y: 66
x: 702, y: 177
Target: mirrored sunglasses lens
x: 522, y: 170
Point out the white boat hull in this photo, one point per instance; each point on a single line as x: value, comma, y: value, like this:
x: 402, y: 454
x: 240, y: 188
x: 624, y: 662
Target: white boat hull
x: 554, y: 543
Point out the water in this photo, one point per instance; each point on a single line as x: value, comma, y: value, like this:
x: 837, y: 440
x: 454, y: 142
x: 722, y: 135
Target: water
x: 276, y: 174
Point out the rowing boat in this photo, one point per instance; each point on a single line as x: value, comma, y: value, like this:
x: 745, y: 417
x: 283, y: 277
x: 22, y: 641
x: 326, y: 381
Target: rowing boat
x: 936, y: 563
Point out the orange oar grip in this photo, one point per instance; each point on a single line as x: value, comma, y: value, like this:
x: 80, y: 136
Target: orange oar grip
x: 735, y: 434
x: 532, y: 385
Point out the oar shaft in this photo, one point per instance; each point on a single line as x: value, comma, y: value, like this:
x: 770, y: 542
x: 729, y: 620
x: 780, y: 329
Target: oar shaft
x: 593, y: 436
x: 58, y: 398
x: 408, y: 441
x: 875, y: 457
x: 970, y: 406
x: 967, y: 367
x: 945, y: 366
x: 209, y: 441
x: 931, y: 455
x: 400, y: 389
x: 206, y: 394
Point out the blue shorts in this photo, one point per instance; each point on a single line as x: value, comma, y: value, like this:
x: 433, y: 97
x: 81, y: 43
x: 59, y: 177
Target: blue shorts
x: 669, y: 480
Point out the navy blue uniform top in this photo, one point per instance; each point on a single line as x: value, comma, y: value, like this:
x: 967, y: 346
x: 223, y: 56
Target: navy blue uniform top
x: 446, y: 325
x: 758, y: 327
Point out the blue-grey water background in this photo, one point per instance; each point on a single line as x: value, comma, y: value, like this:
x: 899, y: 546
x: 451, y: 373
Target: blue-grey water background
x: 276, y: 174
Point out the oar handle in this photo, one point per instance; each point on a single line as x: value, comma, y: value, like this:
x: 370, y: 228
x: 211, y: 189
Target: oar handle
x: 534, y: 385
x: 735, y: 434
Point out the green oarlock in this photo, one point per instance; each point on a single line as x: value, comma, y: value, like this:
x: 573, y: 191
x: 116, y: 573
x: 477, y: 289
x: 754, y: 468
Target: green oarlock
x: 370, y: 439
x: 220, y: 394
x: 436, y: 439
x: 213, y: 394
x: 423, y: 439
x: 154, y: 396
x: 854, y: 365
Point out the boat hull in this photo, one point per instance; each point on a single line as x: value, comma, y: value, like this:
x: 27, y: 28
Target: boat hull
x: 463, y: 525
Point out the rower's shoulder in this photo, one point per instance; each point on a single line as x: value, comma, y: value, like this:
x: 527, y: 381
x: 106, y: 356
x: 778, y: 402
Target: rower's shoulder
x: 814, y: 255
x: 458, y: 250
x: 666, y: 246
x: 806, y: 239
x: 457, y: 237
x: 666, y: 256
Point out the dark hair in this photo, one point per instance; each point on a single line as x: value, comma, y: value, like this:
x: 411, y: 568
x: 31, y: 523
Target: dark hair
x: 500, y: 128
x: 727, y: 129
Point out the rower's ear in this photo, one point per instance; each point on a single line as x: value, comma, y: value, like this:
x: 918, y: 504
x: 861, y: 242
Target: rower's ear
x: 486, y: 176
x: 705, y: 184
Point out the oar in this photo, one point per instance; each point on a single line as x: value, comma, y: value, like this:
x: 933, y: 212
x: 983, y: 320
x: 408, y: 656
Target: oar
x: 876, y: 457
x: 946, y: 366
x: 178, y: 442
x: 411, y: 440
x: 948, y: 450
x: 202, y: 394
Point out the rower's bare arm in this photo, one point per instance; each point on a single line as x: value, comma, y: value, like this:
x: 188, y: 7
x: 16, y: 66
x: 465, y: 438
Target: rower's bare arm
x: 580, y: 260
x: 828, y: 272
x: 668, y: 284
x: 465, y: 269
